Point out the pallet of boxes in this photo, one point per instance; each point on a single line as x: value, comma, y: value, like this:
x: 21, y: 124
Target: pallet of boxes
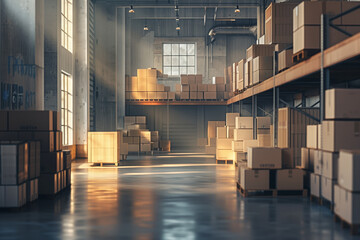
x: 224, y: 139
x: 210, y: 148
x: 33, y: 141
x: 335, y: 156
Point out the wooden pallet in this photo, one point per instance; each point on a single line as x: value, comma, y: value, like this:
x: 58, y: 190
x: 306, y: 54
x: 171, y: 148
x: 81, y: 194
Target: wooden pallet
x: 354, y: 228
x: 303, y: 55
x: 103, y: 164
x: 218, y: 161
x: 271, y: 192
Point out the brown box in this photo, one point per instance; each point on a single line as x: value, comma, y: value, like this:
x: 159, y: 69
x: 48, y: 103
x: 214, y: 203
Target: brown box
x: 261, y: 75
x: 287, y: 158
x: 259, y: 50
x: 224, y: 154
x: 285, y: 59
x: 244, y: 122
x: 151, y: 95
x: 209, y: 95
x: 171, y: 95
x: 31, y: 120
x: 224, y: 143
x: 237, y: 146
x: 133, y: 81
x: 167, y: 88
x: 56, y: 121
x: 220, y: 87
x: 278, y: 23
x: 243, y: 134
x: 312, y: 136
x: 184, y: 95
x: 178, y: 88
x: 200, y: 95
x: 340, y: 135
x: 48, y: 184
x: 211, y: 87
x: 193, y: 95
x: 264, y: 158
x: 184, y: 79
x: 254, y: 179
x: 264, y: 140
x: 342, y: 103
x: 212, y: 128
x: 165, y: 145
x: 151, y: 73
x: 221, y: 132
x: 3, y: 120
x: 145, y: 147
x: 289, y: 179
x: 185, y: 88
x: 160, y: 88
x: 250, y: 143
x: 330, y: 165
x: 230, y: 119
x: 198, y: 78
x: 193, y: 87
x: 50, y: 162
x: 202, y: 87
x: 161, y: 95
x: 305, y: 158
x: 142, y: 84
x: 263, y: 63
x: 263, y: 122
x: 142, y: 73
x: 218, y: 80
x: 349, y: 165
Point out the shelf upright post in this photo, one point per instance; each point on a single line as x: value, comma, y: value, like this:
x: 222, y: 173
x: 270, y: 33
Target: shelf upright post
x: 275, y: 101
x: 167, y: 121
x: 324, y: 73
x: 254, y: 114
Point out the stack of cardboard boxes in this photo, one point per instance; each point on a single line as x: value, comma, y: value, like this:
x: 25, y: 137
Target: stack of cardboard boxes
x: 307, y: 23
x: 332, y: 178
x: 210, y: 148
x: 15, y: 175
x: 42, y: 126
x: 192, y: 88
x: 106, y: 147
x: 225, y: 137
x: 145, y: 86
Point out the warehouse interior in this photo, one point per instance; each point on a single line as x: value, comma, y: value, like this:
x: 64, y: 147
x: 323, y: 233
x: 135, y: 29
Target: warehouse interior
x: 180, y: 119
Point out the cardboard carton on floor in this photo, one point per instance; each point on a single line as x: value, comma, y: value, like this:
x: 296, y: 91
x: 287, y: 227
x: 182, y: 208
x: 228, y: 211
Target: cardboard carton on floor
x: 318, y: 161
x: 263, y: 122
x: 315, y: 184
x: 240, y: 156
x: 327, y: 188
x: 229, y: 132
x: 13, y: 196
x: 289, y: 179
x: 224, y: 154
x: 330, y: 164
x: 31, y: 120
x: 340, y: 135
x: 264, y: 158
x: 224, y: 144
x: 287, y: 156
x: 349, y: 167
x: 48, y: 184
x: 243, y: 134
x: 221, y: 132
x: 251, y: 179
x: 237, y: 146
x: 347, y: 205
x: 264, y: 140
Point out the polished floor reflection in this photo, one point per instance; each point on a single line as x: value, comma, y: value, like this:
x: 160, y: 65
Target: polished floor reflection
x: 171, y: 196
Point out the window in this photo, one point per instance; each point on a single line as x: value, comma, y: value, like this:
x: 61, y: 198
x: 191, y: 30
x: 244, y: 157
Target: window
x: 67, y: 24
x: 67, y: 109
x: 179, y: 58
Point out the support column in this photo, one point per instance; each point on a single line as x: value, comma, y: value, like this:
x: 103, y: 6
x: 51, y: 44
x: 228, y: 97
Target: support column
x: 254, y: 114
x: 81, y: 78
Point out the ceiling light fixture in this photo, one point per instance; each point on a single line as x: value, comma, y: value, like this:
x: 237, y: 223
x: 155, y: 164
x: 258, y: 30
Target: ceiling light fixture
x: 131, y: 9
x: 237, y: 9
x: 177, y: 28
x: 146, y: 28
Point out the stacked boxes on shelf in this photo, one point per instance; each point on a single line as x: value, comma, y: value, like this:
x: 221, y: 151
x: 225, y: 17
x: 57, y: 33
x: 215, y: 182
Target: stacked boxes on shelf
x: 307, y: 23
x: 210, y: 148
x: 238, y: 85
x: 155, y: 140
x: 44, y: 127
x: 145, y: 86
x: 106, y: 147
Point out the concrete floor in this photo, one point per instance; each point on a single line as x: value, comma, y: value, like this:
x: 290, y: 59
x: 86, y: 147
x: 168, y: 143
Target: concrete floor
x: 176, y: 196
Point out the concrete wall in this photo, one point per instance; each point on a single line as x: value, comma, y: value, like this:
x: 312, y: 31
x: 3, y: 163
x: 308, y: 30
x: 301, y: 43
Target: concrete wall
x: 22, y: 59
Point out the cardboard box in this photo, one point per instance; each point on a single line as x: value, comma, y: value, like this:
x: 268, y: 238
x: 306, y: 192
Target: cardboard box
x: 264, y: 158
x: 50, y: 162
x: 263, y: 63
x: 48, y: 184
x: 212, y: 142
x: 312, y: 136
x: 160, y: 87
x: 103, y: 147
x: 278, y: 23
x: 13, y: 196
x: 237, y: 146
x: 287, y: 156
x: 209, y: 95
x: 240, y: 156
x: 133, y: 147
x: 224, y: 154
x: 289, y: 179
x: 133, y: 84
x: 259, y: 50
x: 3, y: 120
x: 198, y: 78
x: 202, y: 87
x: 315, y: 185
x: 250, y: 143
x: 171, y: 95
x: 317, y: 156
x: 261, y: 75
x: 211, y: 87
x: 230, y: 132
x: 223, y: 144
x: 165, y: 145
x: 185, y: 88
x: 340, y: 135
x: 145, y: 147
x: 264, y: 140
x: 14, y: 159
x: 218, y: 80
x: 327, y: 188
x: 330, y: 164
x: 244, y: 122
x: 319, y: 134
x: 212, y: 128
x: 230, y: 119
x: 178, y: 87
x: 200, y: 96
x: 220, y: 87
x: 243, y: 134
x: 193, y: 88
x: 347, y: 205
x: 341, y: 103
x: 263, y: 122
x: 161, y: 95
x: 285, y: 59
x: 31, y: 120
x: 210, y: 150
x: 349, y: 166
x: 193, y: 95
x: 254, y: 179
x: 184, y: 95
x: 221, y: 132
x: 184, y: 79
x: 305, y: 158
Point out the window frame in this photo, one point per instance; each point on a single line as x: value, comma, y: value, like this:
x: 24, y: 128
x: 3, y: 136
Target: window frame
x: 179, y: 55
x: 67, y: 20
x: 67, y: 109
